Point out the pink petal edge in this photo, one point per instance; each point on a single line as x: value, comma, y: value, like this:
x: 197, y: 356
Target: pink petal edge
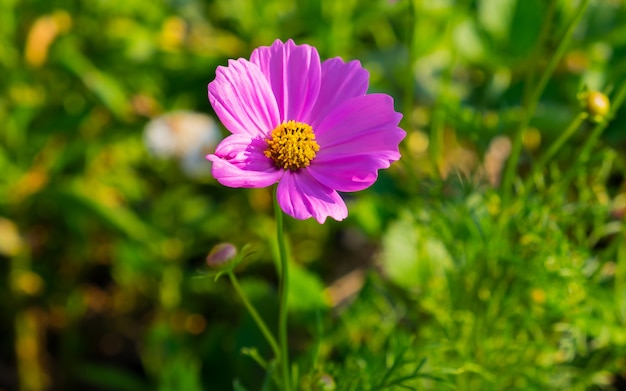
x: 356, y: 140
x: 348, y: 174
x: 340, y: 81
x: 355, y: 118
x: 301, y: 196
x: 239, y: 161
x: 243, y: 99
x: 294, y: 73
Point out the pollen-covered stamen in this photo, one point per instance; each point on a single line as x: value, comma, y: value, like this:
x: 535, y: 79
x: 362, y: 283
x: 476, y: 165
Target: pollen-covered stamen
x: 292, y: 145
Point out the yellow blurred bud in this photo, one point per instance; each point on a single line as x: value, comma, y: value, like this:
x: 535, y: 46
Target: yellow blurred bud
x: 538, y: 295
x: 597, y: 105
x: 531, y: 138
x: 28, y: 283
x: 173, y: 33
x: 10, y: 240
x: 418, y: 142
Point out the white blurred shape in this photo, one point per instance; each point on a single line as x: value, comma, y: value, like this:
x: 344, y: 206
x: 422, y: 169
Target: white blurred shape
x: 185, y: 136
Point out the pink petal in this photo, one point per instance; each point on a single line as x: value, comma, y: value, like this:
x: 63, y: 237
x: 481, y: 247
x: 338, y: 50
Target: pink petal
x: 348, y: 173
x: 363, y: 121
x: 239, y: 162
x: 243, y: 100
x: 380, y: 143
x: 356, y: 140
x: 301, y: 196
x: 293, y: 71
x: 340, y: 82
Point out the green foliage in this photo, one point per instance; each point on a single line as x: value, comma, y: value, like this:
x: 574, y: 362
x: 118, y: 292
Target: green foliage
x: 522, y: 304
x: 437, y: 280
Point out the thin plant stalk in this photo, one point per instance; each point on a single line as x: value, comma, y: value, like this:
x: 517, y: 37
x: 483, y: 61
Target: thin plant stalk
x: 511, y: 165
x: 543, y: 35
x: 255, y: 315
x: 408, y: 160
x: 438, y: 124
x: 408, y: 85
x: 557, y: 144
x: 284, y: 289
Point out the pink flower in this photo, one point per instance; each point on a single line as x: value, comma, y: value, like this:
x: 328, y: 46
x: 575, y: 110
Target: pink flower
x: 306, y: 125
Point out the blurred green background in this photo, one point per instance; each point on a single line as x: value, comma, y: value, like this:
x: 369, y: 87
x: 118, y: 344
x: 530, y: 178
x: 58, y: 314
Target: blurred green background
x: 107, y: 211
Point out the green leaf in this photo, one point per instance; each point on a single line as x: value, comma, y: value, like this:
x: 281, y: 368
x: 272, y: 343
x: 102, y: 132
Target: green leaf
x: 106, y: 88
x: 118, y: 218
x: 306, y: 291
x: 525, y: 27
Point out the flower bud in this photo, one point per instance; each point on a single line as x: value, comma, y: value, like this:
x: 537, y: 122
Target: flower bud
x: 597, y: 105
x: 221, y: 255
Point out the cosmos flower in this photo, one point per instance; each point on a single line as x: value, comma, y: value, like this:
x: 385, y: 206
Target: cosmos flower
x: 307, y: 125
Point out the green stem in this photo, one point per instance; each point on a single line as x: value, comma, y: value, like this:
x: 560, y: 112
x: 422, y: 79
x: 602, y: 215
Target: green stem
x: 284, y: 289
x: 409, y: 83
x: 408, y: 161
x: 537, y: 53
x: 439, y: 120
x: 556, y: 146
x: 255, y: 315
x: 438, y: 124
x: 511, y: 165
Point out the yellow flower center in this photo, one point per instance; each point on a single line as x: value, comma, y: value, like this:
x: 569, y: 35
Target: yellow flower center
x: 292, y: 145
